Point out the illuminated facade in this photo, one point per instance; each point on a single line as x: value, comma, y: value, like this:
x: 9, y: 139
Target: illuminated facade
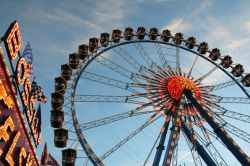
x: 17, y: 140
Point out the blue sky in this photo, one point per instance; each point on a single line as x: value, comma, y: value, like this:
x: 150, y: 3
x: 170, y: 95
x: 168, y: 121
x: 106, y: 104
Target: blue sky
x: 56, y: 28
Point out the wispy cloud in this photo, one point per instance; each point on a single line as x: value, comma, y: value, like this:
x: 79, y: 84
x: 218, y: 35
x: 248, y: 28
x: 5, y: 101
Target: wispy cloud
x: 156, y: 1
x: 177, y: 25
x: 185, y: 23
x: 110, y: 11
x: 228, y: 39
x: 246, y: 25
x: 71, y: 19
x: 204, y: 6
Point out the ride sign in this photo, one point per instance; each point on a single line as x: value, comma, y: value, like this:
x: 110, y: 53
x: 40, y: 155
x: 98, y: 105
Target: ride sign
x: 16, y: 145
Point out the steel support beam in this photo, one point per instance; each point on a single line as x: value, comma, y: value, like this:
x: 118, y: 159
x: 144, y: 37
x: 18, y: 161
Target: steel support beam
x: 202, y: 152
x: 220, y: 131
x: 161, y: 146
x: 175, y: 129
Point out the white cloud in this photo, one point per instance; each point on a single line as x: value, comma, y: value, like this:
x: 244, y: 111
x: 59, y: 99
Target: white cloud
x: 185, y: 23
x: 176, y: 25
x: 159, y: 1
x: 216, y: 30
x: 111, y: 14
x: 203, y: 7
x: 108, y: 11
x: 70, y: 19
x: 247, y: 26
x: 156, y: 1
x: 229, y: 40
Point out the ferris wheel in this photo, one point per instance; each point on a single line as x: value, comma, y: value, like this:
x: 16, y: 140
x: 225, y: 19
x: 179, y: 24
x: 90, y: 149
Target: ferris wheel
x: 151, y: 98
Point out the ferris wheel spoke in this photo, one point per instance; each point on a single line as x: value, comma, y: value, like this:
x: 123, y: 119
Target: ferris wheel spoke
x: 125, y: 140
x: 109, y: 81
x: 207, y: 74
x: 129, y: 59
x: 143, y: 53
x: 213, y: 134
x: 194, y: 153
x: 233, y: 129
x: 222, y: 134
x: 239, y: 100
x: 113, y: 118
x: 117, y: 68
x: 161, y: 55
x: 200, y: 149
x: 200, y: 124
x: 151, y: 150
x: 236, y: 131
x: 221, y: 85
x: 212, y: 151
x: 207, y: 143
x: 177, y: 56
x: 108, y: 99
x: 153, y: 73
x: 232, y: 114
x: 191, y: 69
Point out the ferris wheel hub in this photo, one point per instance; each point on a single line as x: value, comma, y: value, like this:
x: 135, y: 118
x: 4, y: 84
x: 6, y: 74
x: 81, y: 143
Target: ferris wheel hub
x: 177, y: 84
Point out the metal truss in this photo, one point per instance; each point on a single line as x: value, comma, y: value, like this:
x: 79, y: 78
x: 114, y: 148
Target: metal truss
x: 114, y: 118
x: 125, y: 140
x: 207, y: 74
x: 232, y: 114
x: 161, y: 55
x: 240, y: 100
x: 115, y: 67
x: 124, y: 54
x: 237, y: 132
x: 200, y: 149
x: 161, y: 146
x: 196, y: 158
x: 221, y: 85
x: 109, y: 81
x: 211, y: 148
x: 177, y: 57
x: 233, y: 129
x: 144, y: 54
x: 220, y: 132
x: 107, y: 99
x: 191, y: 69
x: 151, y: 150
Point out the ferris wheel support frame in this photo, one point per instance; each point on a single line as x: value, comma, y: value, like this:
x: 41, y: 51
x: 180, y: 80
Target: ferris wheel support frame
x: 201, y: 151
x: 220, y: 132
